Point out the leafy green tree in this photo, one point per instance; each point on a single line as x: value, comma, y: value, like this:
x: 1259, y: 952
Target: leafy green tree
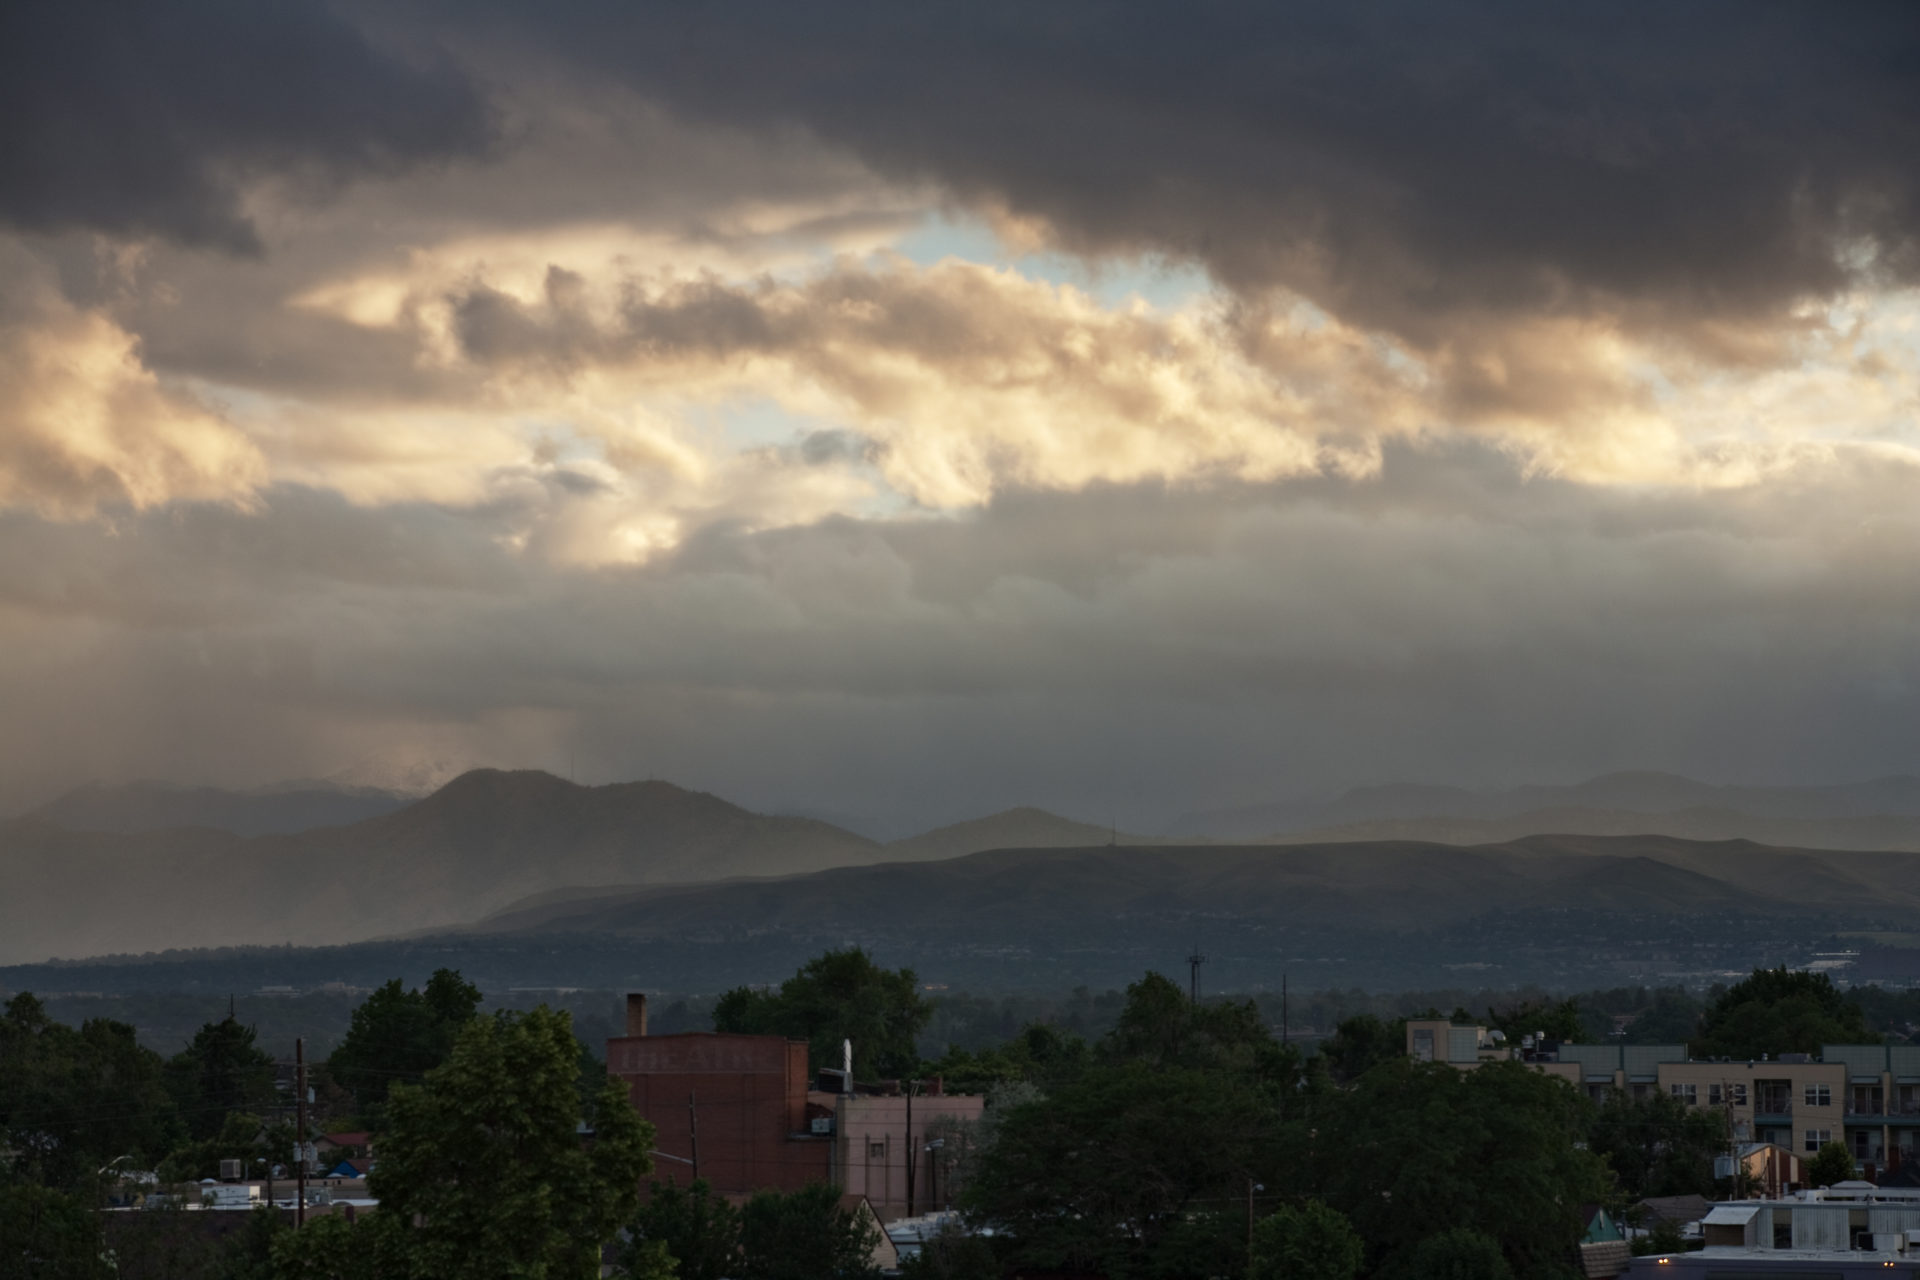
x: 1039, y: 1054
x: 1111, y: 1173
x: 1830, y: 1164
x: 840, y: 995
x: 484, y: 1170
x: 247, y: 1254
x: 1658, y: 1145
x: 48, y: 1234
x: 1305, y: 1242
x: 697, y: 1228
x: 1663, y: 1237
x: 332, y: 1248
x: 74, y: 1101
x: 1415, y: 1149
x: 242, y: 1137
x: 1361, y: 1043
x: 221, y: 1071
x: 397, y: 1036
x: 1459, y: 1254
x: 805, y: 1235
x: 1779, y: 1011
x: 1161, y: 1027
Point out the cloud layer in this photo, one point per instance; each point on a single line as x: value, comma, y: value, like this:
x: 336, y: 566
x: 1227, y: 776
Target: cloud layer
x: 906, y: 411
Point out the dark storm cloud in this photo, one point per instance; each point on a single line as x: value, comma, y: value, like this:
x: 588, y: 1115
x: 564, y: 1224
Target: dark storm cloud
x: 1400, y: 162
x: 139, y: 119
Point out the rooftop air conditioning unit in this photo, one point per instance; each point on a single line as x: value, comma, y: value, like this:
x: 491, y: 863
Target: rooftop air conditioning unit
x: 229, y: 1171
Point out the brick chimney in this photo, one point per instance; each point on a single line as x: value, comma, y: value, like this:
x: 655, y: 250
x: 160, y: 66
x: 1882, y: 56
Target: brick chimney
x: 636, y: 1013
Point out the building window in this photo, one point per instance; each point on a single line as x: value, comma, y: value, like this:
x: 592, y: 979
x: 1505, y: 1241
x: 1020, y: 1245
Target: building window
x: 1819, y: 1095
x: 876, y: 1151
x: 1818, y: 1138
x: 1687, y: 1093
x: 1713, y: 1095
x: 1737, y: 1094
x: 1423, y: 1045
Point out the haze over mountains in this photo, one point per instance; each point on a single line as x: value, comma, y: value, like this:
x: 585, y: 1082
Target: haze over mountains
x: 142, y: 867
x: 82, y: 885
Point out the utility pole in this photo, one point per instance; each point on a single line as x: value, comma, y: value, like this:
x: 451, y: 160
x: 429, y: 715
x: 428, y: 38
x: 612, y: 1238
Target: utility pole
x: 693, y: 1133
x: 1283, y: 1008
x: 1194, y: 962
x: 300, y: 1111
x: 913, y: 1152
x: 1249, y: 1218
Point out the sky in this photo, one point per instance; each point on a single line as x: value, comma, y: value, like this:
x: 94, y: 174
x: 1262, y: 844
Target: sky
x: 901, y: 412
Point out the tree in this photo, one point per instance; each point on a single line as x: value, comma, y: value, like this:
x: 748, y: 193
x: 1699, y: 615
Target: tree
x: 841, y: 995
x: 241, y: 1137
x: 221, y: 1071
x: 484, y: 1170
x: 1415, y: 1149
x: 1658, y: 1145
x: 332, y: 1248
x: 1129, y: 1169
x: 48, y: 1234
x: 805, y: 1235
x: 247, y: 1254
x: 698, y: 1229
x: 1361, y: 1043
x: 73, y: 1101
x: 1459, y: 1254
x: 397, y: 1036
x: 1830, y: 1164
x: 1305, y: 1242
x: 1161, y: 1027
x: 1663, y: 1236
x: 1040, y: 1054
x: 1779, y: 1011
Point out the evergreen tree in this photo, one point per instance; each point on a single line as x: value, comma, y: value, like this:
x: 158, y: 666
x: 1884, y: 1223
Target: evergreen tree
x: 397, y: 1036
x: 221, y: 1071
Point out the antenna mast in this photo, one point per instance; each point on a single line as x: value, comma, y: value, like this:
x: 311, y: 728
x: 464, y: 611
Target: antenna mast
x: 1194, y: 962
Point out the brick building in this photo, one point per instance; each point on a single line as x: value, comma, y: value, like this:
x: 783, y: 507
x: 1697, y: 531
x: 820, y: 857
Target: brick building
x: 731, y: 1108
x: 747, y: 1104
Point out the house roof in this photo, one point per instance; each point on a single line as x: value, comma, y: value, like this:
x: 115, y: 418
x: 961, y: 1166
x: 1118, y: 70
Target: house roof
x: 357, y: 1139
x: 1679, y: 1210
x: 1730, y: 1215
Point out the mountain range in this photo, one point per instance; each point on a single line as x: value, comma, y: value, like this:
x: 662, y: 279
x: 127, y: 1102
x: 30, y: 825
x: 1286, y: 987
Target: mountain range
x: 1388, y: 885
x: 143, y: 867
x: 78, y: 885
x: 1644, y: 793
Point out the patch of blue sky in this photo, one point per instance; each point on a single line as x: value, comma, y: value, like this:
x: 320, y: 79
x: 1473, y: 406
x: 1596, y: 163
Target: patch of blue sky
x: 1162, y: 283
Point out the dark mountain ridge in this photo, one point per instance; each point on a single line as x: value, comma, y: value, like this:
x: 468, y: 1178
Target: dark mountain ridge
x: 1390, y: 885
x: 1643, y: 792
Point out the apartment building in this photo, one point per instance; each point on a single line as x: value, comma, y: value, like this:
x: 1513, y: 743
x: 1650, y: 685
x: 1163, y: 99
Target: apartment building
x: 1866, y: 1096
